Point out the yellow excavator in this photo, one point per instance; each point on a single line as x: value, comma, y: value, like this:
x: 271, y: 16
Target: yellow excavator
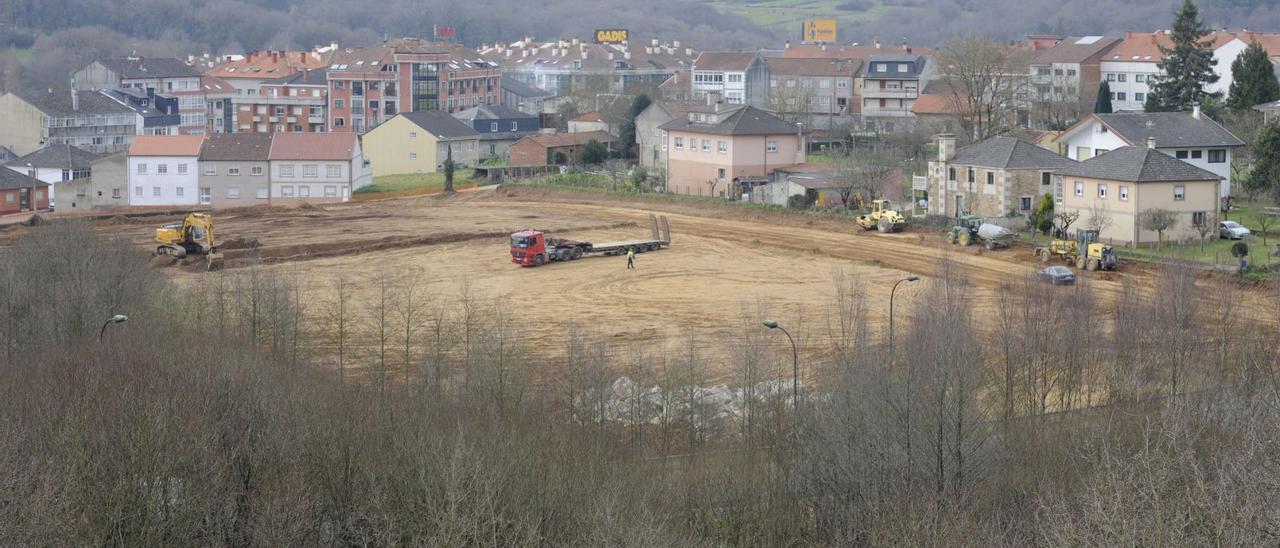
x: 192, y: 236
x: 882, y: 217
x: 1085, y: 251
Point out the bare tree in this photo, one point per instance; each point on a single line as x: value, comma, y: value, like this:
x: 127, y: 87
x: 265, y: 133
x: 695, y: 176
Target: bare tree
x: 862, y: 178
x: 792, y: 103
x: 1203, y: 228
x: 339, y: 316
x: 986, y: 81
x: 1099, y: 219
x: 1063, y: 220
x: 1158, y: 220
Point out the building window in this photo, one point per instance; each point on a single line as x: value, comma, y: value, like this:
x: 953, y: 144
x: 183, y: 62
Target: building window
x: 515, y: 126
x: 210, y: 170
x: 339, y: 103
x: 1139, y: 78
x: 182, y: 169
x: 1111, y: 77
x: 330, y: 191
x: 1079, y: 188
x: 332, y: 171
x: 1140, y: 97
x: 286, y: 191
x: 1082, y: 153
x: 972, y: 175
x: 706, y: 145
x: 142, y: 169
x: 951, y: 174
x: 179, y: 191
x: 1181, y: 154
x: 1179, y: 193
x: 233, y: 172
x: 1121, y: 77
x: 286, y: 170
x: 115, y: 194
x: 155, y: 191
x: 1217, y: 156
x: 256, y: 170
x: 413, y: 135
x: 262, y: 194
x: 722, y: 147
x: 1198, y: 218
x: 1099, y: 151
x: 679, y: 143
x: 1102, y: 191
x: 233, y: 193
x: 1045, y: 178
x: 1197, y: 154
x: 310, y: 170
x: 137, y: 191
x: 493, y: 126
x: 991, y: 178
x: 339, y: 122
x: 1024, y: 203
x: 304, y: 191
x: 413, y: 155
x: 771, y: 146
x: 1124, y: 193
x: 720, y: 174
x: 1120, y: 96
x: 162, y: 168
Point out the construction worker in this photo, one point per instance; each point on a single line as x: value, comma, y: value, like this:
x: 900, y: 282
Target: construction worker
x: 631, y: 258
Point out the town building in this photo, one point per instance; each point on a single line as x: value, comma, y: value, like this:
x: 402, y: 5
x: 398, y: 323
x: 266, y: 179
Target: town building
x: 544, y: 149
x: 159, y: 112
x: 156, y: 76
x: 90, y: 120
x: 420, y: 142
x: 591, y: 121
x: 1122, y: 184
x: 1131, y: 65
x: 162, y: 170
x: 724, y: 150
x: 292, y: 103
x: 55, y: 164
x: 1188, y: 136
x: 315, y: 167
x: 249, y: 72
x: 677, y: 87
x: 649, y: 135
x: 370, y: 85
x: 105, y: 189
x: 521, y: 96
x: 220, y: 114
x: 234, y: 169
x: 859, y: 52
x: 567, y: 66
x: 20, y: 192
x: 499, y: 127
x: 739, y: 78
x: 816, y: 92
x: 1065, y: 78
x: 998, y: 177
x: 890, y: 85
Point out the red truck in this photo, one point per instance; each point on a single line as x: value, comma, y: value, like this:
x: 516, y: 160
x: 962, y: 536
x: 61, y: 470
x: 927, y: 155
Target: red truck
x: 534, y: 248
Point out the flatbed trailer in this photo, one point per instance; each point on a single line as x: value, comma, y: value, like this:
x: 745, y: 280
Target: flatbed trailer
x: 534, y: 248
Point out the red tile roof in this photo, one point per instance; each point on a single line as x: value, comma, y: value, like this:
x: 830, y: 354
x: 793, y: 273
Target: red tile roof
x: 269, y: 64
x: 568, y: 139
x: 813, y: 51
x: 1145, y: 46
x: 589, y: 117
x: 723, y: 60
x: 934, y: 103
x: 313, y: 146
x: 166, y: 145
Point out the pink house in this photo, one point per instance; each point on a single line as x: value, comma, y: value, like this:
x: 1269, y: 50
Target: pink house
x: 725, y: 150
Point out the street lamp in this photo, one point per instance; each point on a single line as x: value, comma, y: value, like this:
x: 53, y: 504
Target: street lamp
x: 893, y: 291
x: 118, y: 318
x: 795, y: 364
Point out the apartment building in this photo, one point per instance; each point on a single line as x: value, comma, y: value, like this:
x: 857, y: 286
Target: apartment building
x: 234, y: 170
x: 249, y: 72
x: 90, y: 120
x: 817, y: 92
x: 156, y: 76
x: 739, y: 78
x: 220, y: 114
x: 289, y: 104
x: 370, y: 85
x: 890, y: 86
x: 725, y: 150
x: 315, y: 167
x: 567, y: 65
x: 1187, y: 136
x: 1130, y: 66
x: 162, y: 170
x: 1069, y: 72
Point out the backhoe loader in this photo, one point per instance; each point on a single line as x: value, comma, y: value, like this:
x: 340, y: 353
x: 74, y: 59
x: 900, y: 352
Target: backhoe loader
x: 192, y: 236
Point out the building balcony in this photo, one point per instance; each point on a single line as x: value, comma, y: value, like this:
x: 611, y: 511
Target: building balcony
x: 886, y: 112
x: 315, y: 119
x: 285, y: 100
x: 877, y: 93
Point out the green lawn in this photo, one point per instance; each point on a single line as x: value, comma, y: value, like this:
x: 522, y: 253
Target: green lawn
x: 786, y: 15
x: 415, y: 182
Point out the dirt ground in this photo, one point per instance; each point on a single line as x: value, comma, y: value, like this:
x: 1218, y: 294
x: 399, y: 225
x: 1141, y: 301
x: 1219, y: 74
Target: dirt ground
x: 726, y: 267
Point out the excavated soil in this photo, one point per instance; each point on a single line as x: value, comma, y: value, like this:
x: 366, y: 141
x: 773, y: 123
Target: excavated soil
x: 726, y: 268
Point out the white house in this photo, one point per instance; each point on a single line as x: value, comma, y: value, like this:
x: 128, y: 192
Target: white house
x: 1129, y: 67
x: 316, y: 167
x: 741, y: 78
x: 163, y: 170
x: 54, y: 164
x: 1188, y: 136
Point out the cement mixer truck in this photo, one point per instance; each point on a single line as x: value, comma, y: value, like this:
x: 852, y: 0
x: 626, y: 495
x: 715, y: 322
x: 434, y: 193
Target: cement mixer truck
x: 970, y: 229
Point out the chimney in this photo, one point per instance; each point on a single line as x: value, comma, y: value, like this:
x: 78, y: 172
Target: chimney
x: 946, y: 147
x: 786, y: 45
x: 611, y: 56
x: 75, y: 97
x: 675, y: 44
x: 653, y: 42
x: 908, y: 50
x: 688, y: 52
x: 1195, y: 111
x: 823, y: 46
x: 1151, y: 142
x: 626, y: 55
x: 876, y: 42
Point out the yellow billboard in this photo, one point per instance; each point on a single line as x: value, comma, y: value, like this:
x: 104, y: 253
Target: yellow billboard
x: 611, y: 36
x: 819, y: 30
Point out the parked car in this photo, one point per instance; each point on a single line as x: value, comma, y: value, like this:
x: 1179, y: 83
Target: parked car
x: 1232, y: 230
x: 1056, y: 275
